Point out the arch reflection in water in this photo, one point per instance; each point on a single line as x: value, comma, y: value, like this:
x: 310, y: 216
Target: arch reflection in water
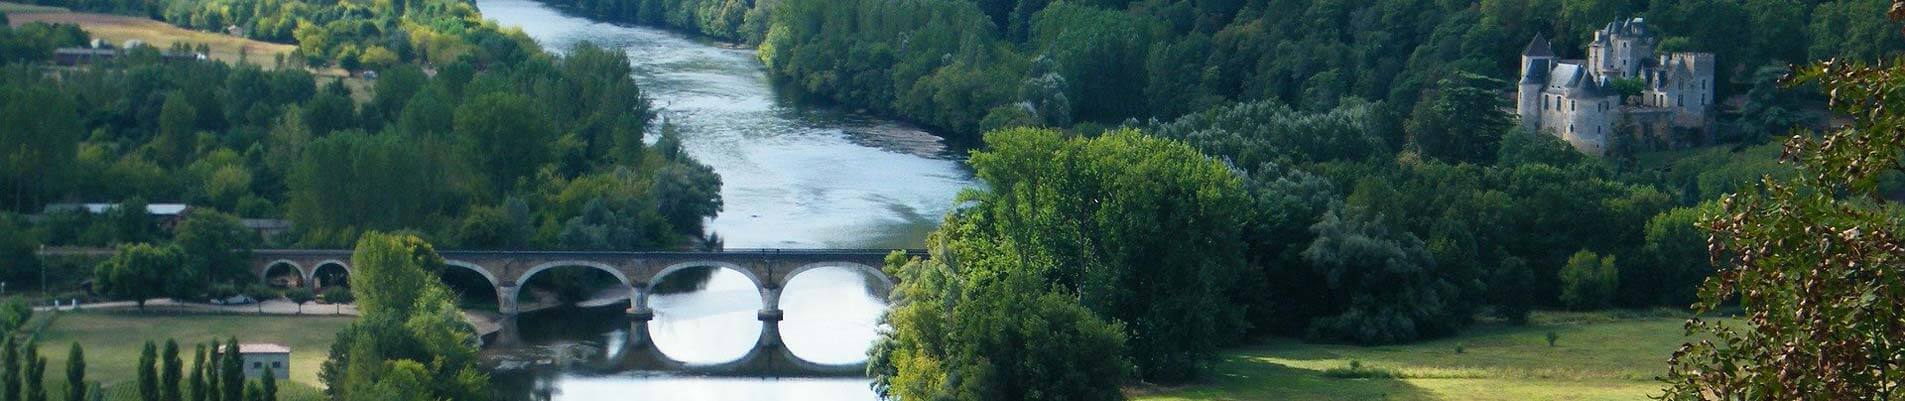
x: 831, y: 314
x: 718, y: 322
x: 551, y: 385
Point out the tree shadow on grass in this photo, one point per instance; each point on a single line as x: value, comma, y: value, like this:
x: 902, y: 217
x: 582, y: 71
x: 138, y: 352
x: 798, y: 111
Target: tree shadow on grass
x: 1241, y: 377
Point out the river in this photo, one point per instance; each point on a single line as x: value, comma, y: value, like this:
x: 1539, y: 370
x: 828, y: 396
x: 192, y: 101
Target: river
x: 793, y: 176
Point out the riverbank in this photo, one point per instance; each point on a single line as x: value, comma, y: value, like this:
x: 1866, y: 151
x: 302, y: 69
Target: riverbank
x: 1597, y: 356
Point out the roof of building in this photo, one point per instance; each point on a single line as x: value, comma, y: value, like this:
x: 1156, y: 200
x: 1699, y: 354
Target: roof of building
x: 85, y: 51
x: 262, y: 348
x: 156, y: 209
x: 1537, y: 71
x: 1575, y: 81
x: 1539, y: 47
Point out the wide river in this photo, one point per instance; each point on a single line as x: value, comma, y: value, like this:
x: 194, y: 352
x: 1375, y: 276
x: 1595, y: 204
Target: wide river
x: 793, y: 176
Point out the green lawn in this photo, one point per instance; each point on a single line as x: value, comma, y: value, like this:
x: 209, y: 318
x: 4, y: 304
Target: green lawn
x: 112, y: 341
x: 1601, y: 356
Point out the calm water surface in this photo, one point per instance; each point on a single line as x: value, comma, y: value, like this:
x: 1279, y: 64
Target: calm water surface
x: 793, y: 177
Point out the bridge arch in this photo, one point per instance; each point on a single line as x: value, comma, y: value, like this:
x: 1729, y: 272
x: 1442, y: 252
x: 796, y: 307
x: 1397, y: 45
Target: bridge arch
x: 886, y: 283
x: 264, y: 275
x: 475, y: 268
x: 634, y: 291
x: 316, y: 278
x: 770, y: 296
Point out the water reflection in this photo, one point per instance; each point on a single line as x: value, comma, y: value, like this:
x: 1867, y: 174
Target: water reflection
x: 831, y: 313
x: 558, y: 386
x: 718, y: 323
x: 583, y: 353
x: 793, y: 177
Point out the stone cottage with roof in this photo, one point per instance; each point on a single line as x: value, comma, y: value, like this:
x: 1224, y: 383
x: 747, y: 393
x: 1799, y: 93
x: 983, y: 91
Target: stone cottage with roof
x: 1576, y: 99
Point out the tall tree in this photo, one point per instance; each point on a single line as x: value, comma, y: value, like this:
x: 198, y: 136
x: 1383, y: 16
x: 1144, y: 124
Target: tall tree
x: 268, y: 386
x: 1144, y: 231
x: 951, y: 323
x: 1384, y: 283
x: 215, y: 246
x: 170, y: 374
x: 197, y: 378
x: 214, y: 354
x: 35, y: 374
x: 75, y: 373
x: 506, y: 135
x: 231, y: 375
x: 176, y: 130
x: 1462, y: 120
x: 39, y: 138
x: 148, y: 374
x: 137, y: 272
x: 406, y: 316
x: 11, y: 377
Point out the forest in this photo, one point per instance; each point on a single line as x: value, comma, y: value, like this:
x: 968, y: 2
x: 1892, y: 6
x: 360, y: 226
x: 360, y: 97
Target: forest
x: 968, y: 66
x: 480, y: 139
x: 1162, y: 178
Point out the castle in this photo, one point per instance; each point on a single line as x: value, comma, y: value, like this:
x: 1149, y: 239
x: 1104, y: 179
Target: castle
x: 1577, y: 99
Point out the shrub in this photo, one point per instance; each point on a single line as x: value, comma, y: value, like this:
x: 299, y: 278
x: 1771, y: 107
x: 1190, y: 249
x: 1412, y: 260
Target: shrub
x: 338, y: 295
x: 1588, y: 281
x: 1552, y: 337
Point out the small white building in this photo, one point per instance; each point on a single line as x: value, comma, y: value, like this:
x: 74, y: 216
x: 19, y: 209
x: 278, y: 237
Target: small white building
x: 259, y: 356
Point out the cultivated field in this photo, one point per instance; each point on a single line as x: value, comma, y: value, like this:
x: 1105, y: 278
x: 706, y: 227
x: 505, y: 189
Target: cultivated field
x: 1599, y: 356
x: 117, y: 29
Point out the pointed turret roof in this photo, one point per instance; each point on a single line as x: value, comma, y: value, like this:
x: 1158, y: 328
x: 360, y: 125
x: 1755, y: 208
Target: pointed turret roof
x: 1538, y: 47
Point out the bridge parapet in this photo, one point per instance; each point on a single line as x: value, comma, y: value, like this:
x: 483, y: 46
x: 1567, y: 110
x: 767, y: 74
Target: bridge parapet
x: 768, y: 269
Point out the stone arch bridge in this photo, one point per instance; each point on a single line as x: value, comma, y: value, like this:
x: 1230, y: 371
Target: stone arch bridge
x: 769, y: 270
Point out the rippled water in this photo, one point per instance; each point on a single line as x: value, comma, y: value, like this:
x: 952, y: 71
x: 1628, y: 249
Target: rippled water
x: 793, y: 177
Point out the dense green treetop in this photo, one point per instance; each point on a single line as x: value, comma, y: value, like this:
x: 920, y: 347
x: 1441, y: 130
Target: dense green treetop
x: 1144, y: 231
x: 410, y: 341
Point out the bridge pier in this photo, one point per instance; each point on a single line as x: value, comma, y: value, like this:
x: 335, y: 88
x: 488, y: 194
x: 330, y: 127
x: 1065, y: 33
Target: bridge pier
x: 507, y: 334
x: 506, y: 300
x: 770, y: 327
x: 771, y: 297
x: 638, y: 319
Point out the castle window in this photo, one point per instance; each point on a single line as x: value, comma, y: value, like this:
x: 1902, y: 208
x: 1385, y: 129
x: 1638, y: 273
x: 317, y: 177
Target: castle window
x: 1682, y: 100
x: 1571, y: 105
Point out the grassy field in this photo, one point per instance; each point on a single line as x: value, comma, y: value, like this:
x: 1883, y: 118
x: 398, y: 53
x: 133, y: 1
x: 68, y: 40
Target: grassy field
x: 117, y: 29
x: 112, y: 341
x: 1601, y: 356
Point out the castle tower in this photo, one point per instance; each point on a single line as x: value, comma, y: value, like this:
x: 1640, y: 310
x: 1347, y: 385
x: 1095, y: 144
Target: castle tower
x: 1620, y: 48
x: 1536, y: 62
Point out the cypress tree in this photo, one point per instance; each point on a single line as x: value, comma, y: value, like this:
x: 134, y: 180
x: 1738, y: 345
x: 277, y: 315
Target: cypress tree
x: 212, y: 359
x: 169, y: 379
x: 197, y: 381
x: 36, y: 376
x: 268, y: 386
x: 232, y: 376
x: 75, y: 373
x: 148, y: 377
x: 252, y: 393
x: 11, y: 377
